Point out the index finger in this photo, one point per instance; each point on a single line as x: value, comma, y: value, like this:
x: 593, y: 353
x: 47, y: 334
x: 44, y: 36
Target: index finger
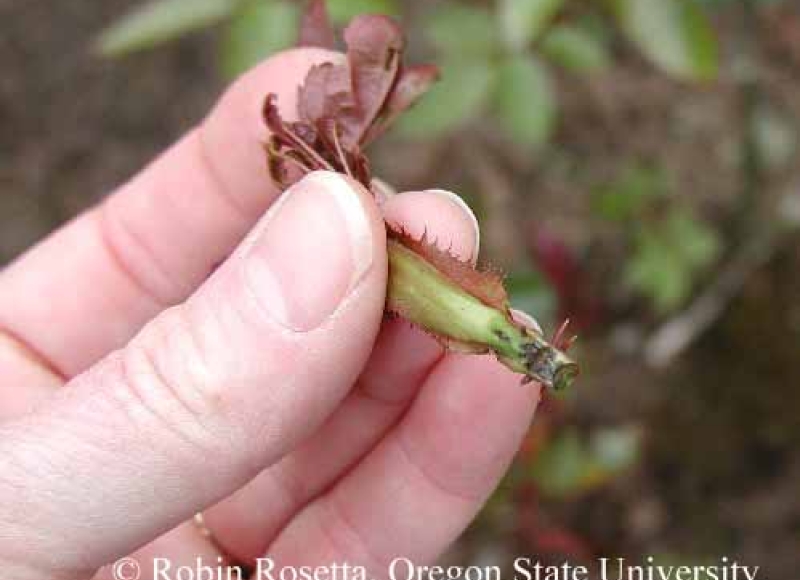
x: 89, y: 287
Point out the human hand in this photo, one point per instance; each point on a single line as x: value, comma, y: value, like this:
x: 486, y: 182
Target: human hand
x: 271, y: 396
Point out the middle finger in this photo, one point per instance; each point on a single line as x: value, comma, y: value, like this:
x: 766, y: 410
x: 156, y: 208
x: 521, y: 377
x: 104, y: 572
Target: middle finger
x: 245, y: 523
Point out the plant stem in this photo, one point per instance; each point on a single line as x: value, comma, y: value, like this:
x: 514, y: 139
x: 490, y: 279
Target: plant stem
x: 428, y: 299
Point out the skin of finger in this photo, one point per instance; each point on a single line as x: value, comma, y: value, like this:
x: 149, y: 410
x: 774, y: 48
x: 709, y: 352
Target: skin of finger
x: 158, y: 236
x: 212, y: 381
x: 178, y: 192
x: 180, y: 547
x: 420, y: 487
x: 26, y: 382
x: 247, y: 522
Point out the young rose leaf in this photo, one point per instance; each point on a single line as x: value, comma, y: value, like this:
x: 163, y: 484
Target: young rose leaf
x: 414, y: 82
x: 374, y: 47
x: 343, y: 107
x: 293, y: 144
x: 315, y: 27
x: 326, y: 93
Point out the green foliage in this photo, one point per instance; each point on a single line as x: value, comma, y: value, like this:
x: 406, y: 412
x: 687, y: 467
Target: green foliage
x: 459, y: 97
x: 491, y: 57
x: 575, y: 48
x: 160, y: 21
x: 257, y: 29
x: 625, y: 198
x: 658, y: 272
x: 728, y: 3
x: 569, y: 465
x: 525, y: 100
x: 467, y: 44
x: 342, y: 11
x: 668, y: 256
x: 775, y: 137
x: 522, y: 21
x: 674, y: 34
x: 461, y: 31
x: 518, y: 87
x: 670, y: 246
x: 528, y: 291
x: 614, y: 449
x: 560, y: 467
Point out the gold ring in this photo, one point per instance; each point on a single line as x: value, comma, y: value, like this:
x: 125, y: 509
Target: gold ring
x: 200, y: 523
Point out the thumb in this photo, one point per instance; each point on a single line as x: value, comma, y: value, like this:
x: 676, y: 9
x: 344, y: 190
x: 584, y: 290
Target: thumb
x: 207, y: 395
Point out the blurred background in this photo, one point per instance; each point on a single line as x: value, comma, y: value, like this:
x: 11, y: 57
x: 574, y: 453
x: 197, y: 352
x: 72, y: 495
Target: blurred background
x: 634, y: 164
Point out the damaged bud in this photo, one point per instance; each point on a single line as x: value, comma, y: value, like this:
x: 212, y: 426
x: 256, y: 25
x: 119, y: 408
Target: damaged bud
x: 344, y: 107
x: 467, y: 311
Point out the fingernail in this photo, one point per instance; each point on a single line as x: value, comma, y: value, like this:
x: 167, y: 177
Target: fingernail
x: 382, y: 190
x: 526, y: 319
x: 456, y: 200
x: 314, y: 248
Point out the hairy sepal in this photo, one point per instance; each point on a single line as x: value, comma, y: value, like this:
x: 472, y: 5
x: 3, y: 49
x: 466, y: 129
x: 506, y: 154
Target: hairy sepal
x: 467, y: 310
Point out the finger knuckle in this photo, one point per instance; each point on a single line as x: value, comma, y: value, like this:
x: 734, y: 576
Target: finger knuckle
x: 167, y: 377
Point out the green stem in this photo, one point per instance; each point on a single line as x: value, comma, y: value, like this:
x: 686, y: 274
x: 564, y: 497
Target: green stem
x: 424, y: 296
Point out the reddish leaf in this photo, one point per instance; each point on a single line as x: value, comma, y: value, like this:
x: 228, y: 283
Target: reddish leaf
x: 276, y: 163
x: 561, y: 543
x: 306, y: 133
x: 326, y: 93
x: 295, y: 142
x: 340, y: 104
x: 315, y: 26
x: 577, y: 299
x: 414, y: 82
x: 374, y: 47
x: 560, y: 339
